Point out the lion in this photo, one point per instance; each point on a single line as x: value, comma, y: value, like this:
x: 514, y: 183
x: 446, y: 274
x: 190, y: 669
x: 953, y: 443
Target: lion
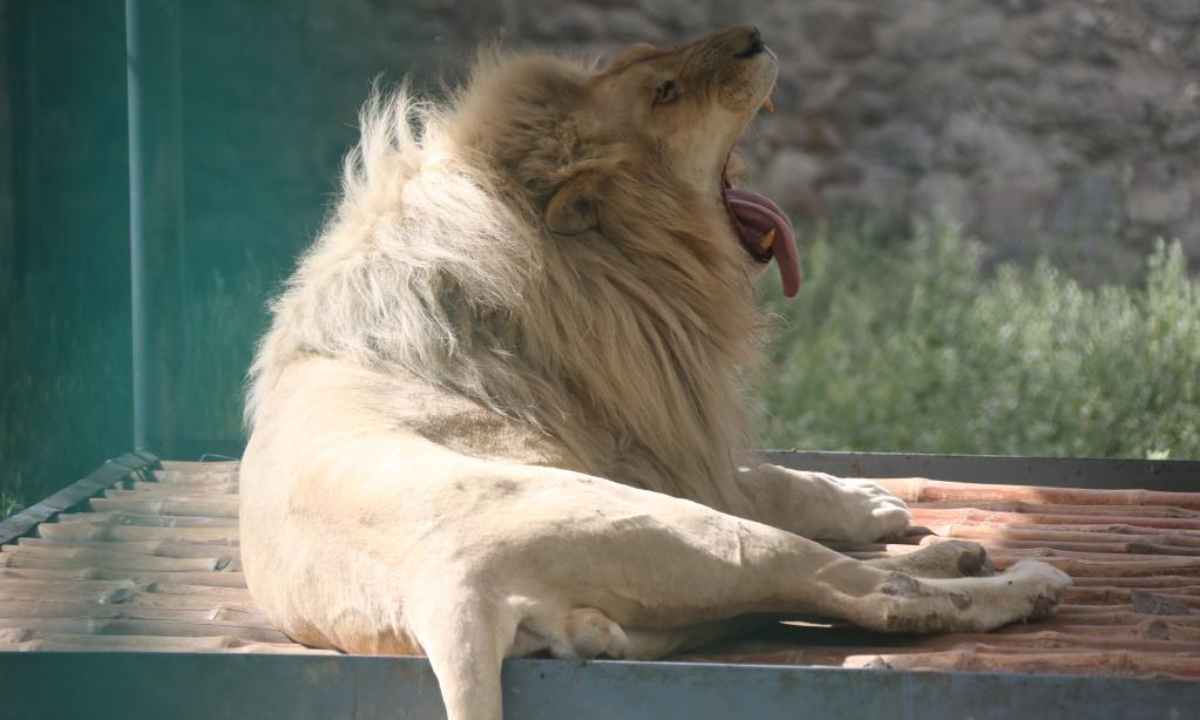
x: 500, y: 409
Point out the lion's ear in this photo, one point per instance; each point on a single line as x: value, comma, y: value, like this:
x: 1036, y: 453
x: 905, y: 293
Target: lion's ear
x: 574, y: 209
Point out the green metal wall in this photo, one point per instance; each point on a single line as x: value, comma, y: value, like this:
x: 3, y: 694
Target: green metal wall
x: 270, y: 91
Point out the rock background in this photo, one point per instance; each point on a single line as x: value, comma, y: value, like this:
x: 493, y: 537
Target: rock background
x: 1067, y: 127
x: 1061, y: 127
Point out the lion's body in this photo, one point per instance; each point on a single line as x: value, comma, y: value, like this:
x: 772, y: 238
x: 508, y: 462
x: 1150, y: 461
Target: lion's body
x: 490, y: 420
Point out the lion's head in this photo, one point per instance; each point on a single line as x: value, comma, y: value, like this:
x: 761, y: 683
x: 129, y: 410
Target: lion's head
x: 593, y: 150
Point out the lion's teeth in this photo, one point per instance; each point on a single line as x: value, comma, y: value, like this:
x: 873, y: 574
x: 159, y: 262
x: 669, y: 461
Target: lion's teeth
x: 768, y: 239
x: 768, y: 104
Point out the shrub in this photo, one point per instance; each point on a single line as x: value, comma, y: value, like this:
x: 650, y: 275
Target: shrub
x: 917, y: 347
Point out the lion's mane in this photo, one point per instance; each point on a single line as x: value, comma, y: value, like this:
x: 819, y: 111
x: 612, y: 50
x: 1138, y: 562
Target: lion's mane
x: 627, y: 348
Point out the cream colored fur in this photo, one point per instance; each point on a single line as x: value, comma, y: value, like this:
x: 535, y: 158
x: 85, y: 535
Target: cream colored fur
x: 499, y: 410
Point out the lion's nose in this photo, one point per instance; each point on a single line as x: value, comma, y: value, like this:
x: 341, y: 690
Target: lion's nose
x: 751, y: 45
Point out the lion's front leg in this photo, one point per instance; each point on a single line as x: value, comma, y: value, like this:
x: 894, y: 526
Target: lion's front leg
x: 822, y: 507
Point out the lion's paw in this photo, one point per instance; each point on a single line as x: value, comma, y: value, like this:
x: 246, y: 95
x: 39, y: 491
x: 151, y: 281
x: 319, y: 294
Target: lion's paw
x: 588, y: 633
x: 866, y: 511
x: 1043, y: 586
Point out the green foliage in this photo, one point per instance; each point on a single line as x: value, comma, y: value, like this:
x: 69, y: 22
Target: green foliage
x: 917, y: 347
x: 9, y: 504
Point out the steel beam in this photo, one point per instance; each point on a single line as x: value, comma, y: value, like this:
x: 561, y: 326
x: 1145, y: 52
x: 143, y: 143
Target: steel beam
x: 155, y: 215
x: 132, y: 686
x: 1097, y: 473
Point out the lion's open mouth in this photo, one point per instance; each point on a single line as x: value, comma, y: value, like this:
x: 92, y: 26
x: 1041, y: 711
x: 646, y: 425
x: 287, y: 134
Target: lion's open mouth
x: 765, y: 232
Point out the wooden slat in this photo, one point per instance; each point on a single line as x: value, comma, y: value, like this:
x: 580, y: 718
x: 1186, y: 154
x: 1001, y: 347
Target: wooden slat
x: 1157, y: 629
x: 116, y: 594
x: 99, y: 532
x: 99, y: 556
x: 937, y: 520
x: 1075, y: 564
x: 146, y: 520
x: 26, y: 628
x: 228, y: 465
x: 1119, y: 615
x: 164, y: 494
x: 192, y: 577
x: 923, y: 490
x: 160, y: 548
x: 179, y: 471
x: 1156, y: 581
x: 194, y: 476
x: 1091, y: 548
x: 217, y: 614
x: 225, y: 506
x: 1163, y: 511
x: 1096, y: 567
x: 114, y: 591
x: 1124, y: 596
x: 60, y: 642
x: 1058, y: 534
x: 177, y: 489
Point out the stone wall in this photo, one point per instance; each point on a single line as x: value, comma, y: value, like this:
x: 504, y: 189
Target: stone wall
x: 1068, y: 127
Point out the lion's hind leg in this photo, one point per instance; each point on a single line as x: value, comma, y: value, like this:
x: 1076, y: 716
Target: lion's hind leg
x: 583, y: 567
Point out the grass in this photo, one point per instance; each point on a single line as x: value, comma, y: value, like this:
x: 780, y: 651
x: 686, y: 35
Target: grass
x: 922, y: 348
x: 913, y: 345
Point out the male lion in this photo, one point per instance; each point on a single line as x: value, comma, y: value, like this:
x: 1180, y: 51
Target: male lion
x: 498, y: 411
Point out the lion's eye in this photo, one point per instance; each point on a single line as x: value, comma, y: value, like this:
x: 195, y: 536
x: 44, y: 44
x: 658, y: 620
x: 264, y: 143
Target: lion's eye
x: 667, y: 91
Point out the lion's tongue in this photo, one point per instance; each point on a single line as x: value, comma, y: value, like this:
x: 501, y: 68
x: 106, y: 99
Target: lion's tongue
x: 756, y: 216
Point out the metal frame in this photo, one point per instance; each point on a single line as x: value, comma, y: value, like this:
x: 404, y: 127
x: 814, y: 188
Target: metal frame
x: 110, y: 473
x: 1097, y: 473
x: 155, y: 215
x: 132, y: 686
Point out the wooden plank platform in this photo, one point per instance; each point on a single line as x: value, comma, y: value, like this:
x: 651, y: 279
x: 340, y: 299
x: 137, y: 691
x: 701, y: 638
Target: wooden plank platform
x: 150, y: 562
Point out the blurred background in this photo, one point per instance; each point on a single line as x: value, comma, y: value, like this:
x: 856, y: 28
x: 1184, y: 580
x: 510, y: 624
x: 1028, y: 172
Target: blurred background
x: 999, y: 202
